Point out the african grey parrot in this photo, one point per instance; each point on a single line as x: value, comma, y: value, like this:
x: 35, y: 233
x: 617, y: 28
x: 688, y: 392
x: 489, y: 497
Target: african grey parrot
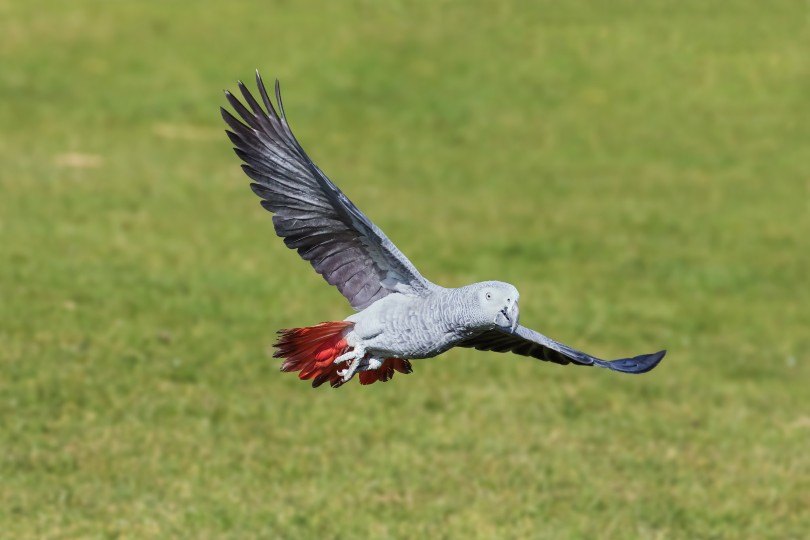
x: 400, y: 314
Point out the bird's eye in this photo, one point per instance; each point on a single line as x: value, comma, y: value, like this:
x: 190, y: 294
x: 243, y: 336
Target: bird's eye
x: 489, y: 296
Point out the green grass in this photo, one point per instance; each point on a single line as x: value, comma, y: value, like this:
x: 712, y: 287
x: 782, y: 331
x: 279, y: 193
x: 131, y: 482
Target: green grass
x: 639, y: 170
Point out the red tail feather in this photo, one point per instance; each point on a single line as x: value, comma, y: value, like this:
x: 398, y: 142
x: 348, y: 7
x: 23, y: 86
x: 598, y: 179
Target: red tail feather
x: 312, y: 350
x: 385, y: 372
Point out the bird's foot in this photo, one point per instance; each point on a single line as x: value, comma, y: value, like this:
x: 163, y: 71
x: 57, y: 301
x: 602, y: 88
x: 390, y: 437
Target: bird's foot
x: 356, y: 356
x: 344, y: 357
x: 348, y: 373
x: 356, y: 350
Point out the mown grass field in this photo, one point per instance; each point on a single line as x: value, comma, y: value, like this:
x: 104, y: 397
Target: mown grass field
x: 639, y: 170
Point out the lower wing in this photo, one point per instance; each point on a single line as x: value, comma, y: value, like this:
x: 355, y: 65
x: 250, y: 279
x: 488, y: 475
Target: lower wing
x: 527, y: 342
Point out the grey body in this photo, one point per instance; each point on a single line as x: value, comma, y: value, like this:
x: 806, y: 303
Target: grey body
x: 421, y: 326
x: 406, y: 326
x: 400, y: 313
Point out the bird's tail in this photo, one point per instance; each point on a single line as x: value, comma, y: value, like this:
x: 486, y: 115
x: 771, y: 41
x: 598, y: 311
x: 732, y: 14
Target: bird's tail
x: 312, y: 350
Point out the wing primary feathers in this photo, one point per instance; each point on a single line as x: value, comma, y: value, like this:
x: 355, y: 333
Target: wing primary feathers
x: 280, y: 102
x: 267, y: 122
x: 251, y: 101
x: 265, y: 98
x: 636, y: 365
x: 247, y: 140
x: 246, y: 115
x: 314, y: 217
x: 526, y: 342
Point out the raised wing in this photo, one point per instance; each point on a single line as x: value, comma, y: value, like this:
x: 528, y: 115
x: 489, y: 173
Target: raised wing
x: 530, y: 343
x: 311, y: 214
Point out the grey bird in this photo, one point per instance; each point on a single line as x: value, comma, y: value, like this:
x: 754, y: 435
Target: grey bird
x: 400, y: 315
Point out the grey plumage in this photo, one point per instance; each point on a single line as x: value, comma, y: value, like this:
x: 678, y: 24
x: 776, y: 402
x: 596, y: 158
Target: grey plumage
x: 400, y: 315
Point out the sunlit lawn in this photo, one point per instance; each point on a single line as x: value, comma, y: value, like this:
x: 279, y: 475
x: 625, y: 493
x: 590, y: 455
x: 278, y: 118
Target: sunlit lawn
x: 638, y: 170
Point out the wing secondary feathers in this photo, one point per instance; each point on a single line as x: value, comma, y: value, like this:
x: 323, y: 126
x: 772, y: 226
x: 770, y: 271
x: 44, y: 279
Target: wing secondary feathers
x: 310, y: 213
x: 527, y: 342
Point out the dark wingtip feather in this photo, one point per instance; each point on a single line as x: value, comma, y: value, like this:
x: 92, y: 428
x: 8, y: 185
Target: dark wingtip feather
x: 235, y: 139
x: 636, y: 365
x: 266, y: 121
x: 271, y: 110
x: 230, y: 119
x: 278, y: 100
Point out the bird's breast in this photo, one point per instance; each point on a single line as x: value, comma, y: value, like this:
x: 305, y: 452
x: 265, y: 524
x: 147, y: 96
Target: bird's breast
x: 406, y: 327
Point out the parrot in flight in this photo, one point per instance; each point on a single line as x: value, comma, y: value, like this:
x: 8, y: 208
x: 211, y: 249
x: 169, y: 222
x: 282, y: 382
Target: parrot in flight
x: 400, y: 315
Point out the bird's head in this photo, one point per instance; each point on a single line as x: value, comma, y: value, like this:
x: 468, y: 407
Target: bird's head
x: 494, y: 303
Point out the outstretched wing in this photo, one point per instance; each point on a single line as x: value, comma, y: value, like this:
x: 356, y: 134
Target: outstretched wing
x: 311, y: 213
x: 530, y: 343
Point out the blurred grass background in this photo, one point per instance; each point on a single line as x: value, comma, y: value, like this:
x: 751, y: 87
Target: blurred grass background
x: 639, y: 170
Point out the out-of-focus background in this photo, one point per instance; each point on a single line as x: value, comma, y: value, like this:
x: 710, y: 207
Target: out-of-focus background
x: 639, y: 170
